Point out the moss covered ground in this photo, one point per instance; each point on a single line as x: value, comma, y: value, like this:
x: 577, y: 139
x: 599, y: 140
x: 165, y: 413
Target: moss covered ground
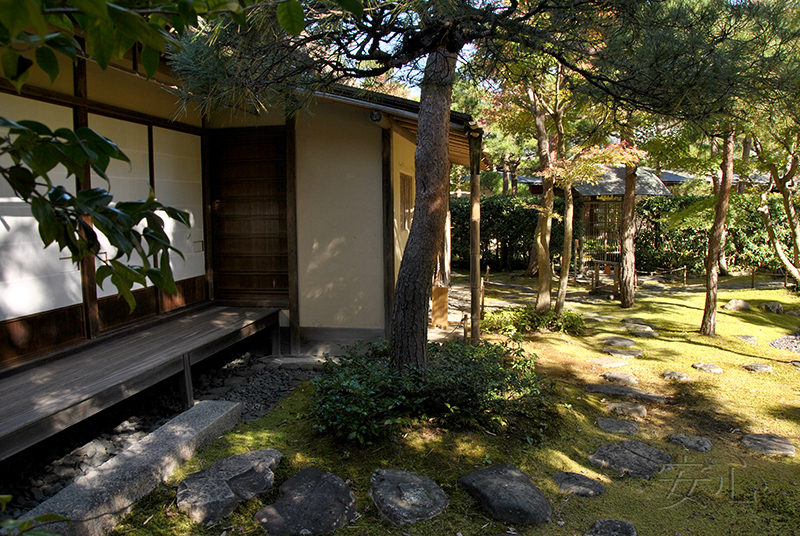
x: 729, y: 490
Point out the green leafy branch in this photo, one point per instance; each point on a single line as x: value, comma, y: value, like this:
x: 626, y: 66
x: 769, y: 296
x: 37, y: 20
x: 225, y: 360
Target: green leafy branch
x: 28, y: 527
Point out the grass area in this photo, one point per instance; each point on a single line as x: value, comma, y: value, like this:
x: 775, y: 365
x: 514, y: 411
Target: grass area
x: 729, y: 490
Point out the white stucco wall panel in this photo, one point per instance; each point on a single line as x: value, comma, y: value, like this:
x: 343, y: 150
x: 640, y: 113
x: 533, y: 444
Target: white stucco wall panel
x: 339, y: 223
x: 33, y: 279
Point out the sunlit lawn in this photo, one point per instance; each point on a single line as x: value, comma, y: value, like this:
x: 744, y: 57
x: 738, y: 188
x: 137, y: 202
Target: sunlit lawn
x: 729, y: 490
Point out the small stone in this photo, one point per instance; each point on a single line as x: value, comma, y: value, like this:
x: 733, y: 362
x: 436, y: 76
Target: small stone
x: 772, y: 307
x: 769, y: 444
x: 578, y: 484
x: 621, y: 377
x: 608, y: 362
x: 617, y: 426
x: 619, y: 342
x: 749, y: 339
x: 737, y: 305
x: 676, y: 376
x: 623, y: 352
x: 758, y: 367
x: 708, y: 367
x: 125, y: 426
x: 258, y: 367
x: 611, y: 527
x: 630, y: 409
x: 234, y: 381
x: 219, y: 391
x: 700, y: 444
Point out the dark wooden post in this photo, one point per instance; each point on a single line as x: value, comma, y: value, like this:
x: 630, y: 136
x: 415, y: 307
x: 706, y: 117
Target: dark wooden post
x: 475, y: 146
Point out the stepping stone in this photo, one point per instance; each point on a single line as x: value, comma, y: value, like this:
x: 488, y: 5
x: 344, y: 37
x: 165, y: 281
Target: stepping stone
x: 626, y: 392
x: 507, y: 494
x: 578, y: 484
x: 313, y: 502
x: 758, y: 367
x: 638, y: 321
x: 600, y: 318
x: 769, y: 444
x: 637, y: 327
x: 749, y: 339
x: 631, y: 457
x: 611, y: 527
x: 796, y: 363
x: 700, y: 444
x: 772, y: 307
x: 645, y: 334
x: 630, y: 409
x: 708, y: 367
x: 213, y: 493
x: 617, y: 426
x: 403, y: 498
x: 608, y: 362
x: 621, y: 377
x: 676, y: 376
x: 619, y: 342
x: 737, y: 305
x: 623, y: 352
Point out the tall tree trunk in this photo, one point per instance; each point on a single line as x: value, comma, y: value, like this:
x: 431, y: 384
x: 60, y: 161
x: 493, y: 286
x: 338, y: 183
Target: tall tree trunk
x: 543, y: 247
x: 566, y: 256
x: 506, y: 173
x: 627, y: 257
x: 708, y: 326
x: 540, y: 251
x: 790, y: 268
x: 432, y: 166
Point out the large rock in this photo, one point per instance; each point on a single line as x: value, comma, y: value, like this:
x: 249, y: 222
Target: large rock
x: 769, y: 444
x: 507, y: 494
x: 772, y: 307
x: 631, y: 457
x: 758, y: 367
x: 737, y: 305
x: 708, y: 367
x: 578, y: 484
x: 625, y: 392
x: 675, y: 376
x: 617, y: 426
x: 403, y: 498
x: 700, y: 444
x: 630, y: 409
x: 313, y: 502
x: 211, y: 494
x: 611, y: 527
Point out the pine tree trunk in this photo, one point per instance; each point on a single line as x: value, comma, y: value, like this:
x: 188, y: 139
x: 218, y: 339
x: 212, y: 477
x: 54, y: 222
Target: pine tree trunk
x: 708, y: 325
x: 790, y: 268
x: 432, y: 165
x: 627, y: 258
x: 566, y: 256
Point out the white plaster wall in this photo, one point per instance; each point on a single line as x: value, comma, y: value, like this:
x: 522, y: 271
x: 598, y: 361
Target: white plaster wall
x: 127, y: 182
x: 339, y: 223
x: 33, y: 279
x: 179, y: 183
x: 403, y: 152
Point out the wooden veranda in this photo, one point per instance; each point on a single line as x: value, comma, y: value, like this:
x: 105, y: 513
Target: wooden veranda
x: 41, y: 400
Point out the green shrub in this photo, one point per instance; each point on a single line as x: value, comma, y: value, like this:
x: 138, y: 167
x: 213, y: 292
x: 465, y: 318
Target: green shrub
x: 525, y: 319
x: 363, y: 398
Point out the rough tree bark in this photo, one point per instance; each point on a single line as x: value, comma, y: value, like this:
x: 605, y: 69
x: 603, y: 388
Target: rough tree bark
x: 544, y: 227
x: 708, y: 325
x: 566, y: 256
x: 432, y: 165
x: 627, y: 257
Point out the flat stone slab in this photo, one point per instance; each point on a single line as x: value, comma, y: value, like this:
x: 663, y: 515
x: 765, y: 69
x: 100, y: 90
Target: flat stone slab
x: 507, y: 494
x: 630, y: 409
x: 608, y: 362
x: 94, y: 502
x: 601, y: 318
x: 617, y: 426
x: 638, y: 321
x: 625, y: 392
x: 621, y: 377
x: 737, y: 305
x: 749, y: 339
x: 619, y: 342
x: 623, y: 352
x: 645, y: 334
x: 611, y: 527
x: 313, y: 502
x: 403, y: 498
x: 769, y: 444
x: 708, y: 367
x: 675, y: 376
x: 578, y: 484
x: 700, y: 444
x: 632, y: 458
x: 637, y: 327
x: 213, y: 493
x: 758, y: 367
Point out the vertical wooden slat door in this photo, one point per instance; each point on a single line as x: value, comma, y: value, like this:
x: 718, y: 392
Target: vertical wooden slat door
x: 248, y: 210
